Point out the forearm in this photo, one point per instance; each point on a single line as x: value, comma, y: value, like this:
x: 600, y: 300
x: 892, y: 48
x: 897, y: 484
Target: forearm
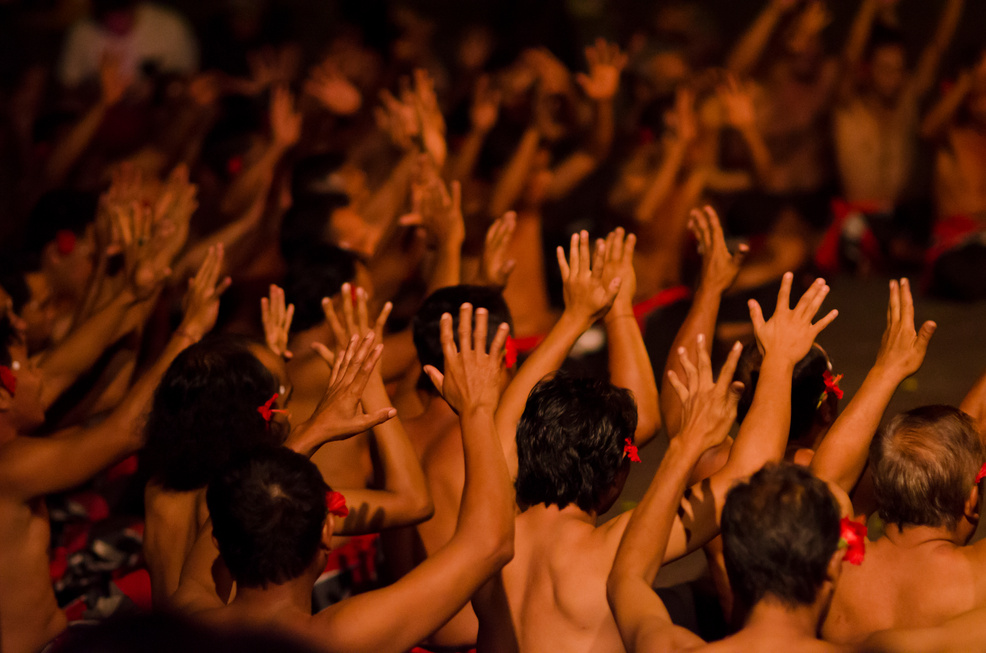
x: 464, y: 162
x: 701, y: 319
x: 511, y: 183
x: 447, y: 269
x: 602, y: 130
x: 252, y: 182
x: 630, y: 368
x: 764, y: 433
x: 859, y: 35
x: 386, y: 203
x: 943, y: 113
x: 663, y: 184
x: 974, y: 403
x: 751, y: 45
x: 486, y: 514
x: 842, y: 455
x: 763, y: 163
x: 68, y: 151
x: 927, y: 68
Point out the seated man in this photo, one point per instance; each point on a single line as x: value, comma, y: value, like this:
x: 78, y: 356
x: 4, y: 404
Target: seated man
x: 31, y: 467
x: 573, y: 445
x: 272, y: 526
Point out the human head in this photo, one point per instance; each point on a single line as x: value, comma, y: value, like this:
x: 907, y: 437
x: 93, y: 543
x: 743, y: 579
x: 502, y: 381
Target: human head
x: 924, y: 464
x: 570, y: 443
x: 315, y: 272
x: 887, y: 63
x: 116, y: 16
x: 22, y: 409
x: 780, y: 532
x: 807, y: 386
x: 60, y: 233
x: 426, y: 329
x: 205, y: 411
x: 32, y: 298
x: 269, y: 516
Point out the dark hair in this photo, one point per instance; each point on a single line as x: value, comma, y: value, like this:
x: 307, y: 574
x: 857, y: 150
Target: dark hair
x: 14, y: 282
x: 267, y: 511
x: 780, y: 530
x: 314, y: 272
x: 8, y: 337
x: 807, y: 386
x: 884, y: 36
x: 57, y: 210
x: 100, y: 8
x: 570, y: 441
x: 205, y: 411
x: 426, y: 323
x: 924, y: 464
x: 312, y: 174
x: 307, y: 221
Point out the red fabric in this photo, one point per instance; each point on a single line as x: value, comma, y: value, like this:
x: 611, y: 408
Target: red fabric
x: 418, y: 649
x: 950, y: 232
x: 137, y: 587
x: 65, y: 242
x: 666, y: 297
x: 510, y: 353
x: 8, y: 379
x: 527, y: 344
x: 827, y: 255
x: 358, y: 555
x: 126, y: 467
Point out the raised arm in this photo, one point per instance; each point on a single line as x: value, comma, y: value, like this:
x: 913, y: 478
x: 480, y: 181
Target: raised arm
x: 32, y: 467
x: 719, y: 270
x: 399, y: 616
x: 859, y: 35
x: 842, y: 455
x: 512, y: 180
x: 710, y: 409
x: 740, y: 111
x: 587, y: 298
x: 677, y: 139
x: 927, y: 68
x: 629, y: 363
x: 942, y: 115
x: 748, y: 50
x: 483, y: 115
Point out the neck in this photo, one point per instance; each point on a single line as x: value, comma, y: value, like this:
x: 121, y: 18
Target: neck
x: 294, y: 596
x: 569, y: 512
x: 912, y: 537
x: 778, y: 619
x: 7, y: 431
x: 319, y: 333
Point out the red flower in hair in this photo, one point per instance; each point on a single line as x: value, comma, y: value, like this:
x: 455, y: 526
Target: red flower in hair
x: 336, y: 503
x: 65, y: 242
x: 8, y: 379
x: 510, y: 353
x: 982, y: 474
x: 266, y: 411
x: 630, y: 451
x: 832, y: 384
x: 234, y: 165
x: 853, y: 538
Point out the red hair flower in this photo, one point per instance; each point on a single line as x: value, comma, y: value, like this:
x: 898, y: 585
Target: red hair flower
x: 336, y: 503
x: 267, y: 412
x: 8, y: 379
x: 65, y: 241
x: 980, y: 476
x: 234, y: 165
x: 630, y: 451
x: 831, y: 385
x: 510, y: 353
x: 853, y: 539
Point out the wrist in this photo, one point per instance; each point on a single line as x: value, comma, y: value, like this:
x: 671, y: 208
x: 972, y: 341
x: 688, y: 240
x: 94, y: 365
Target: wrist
x: 574, y: 320
x: 619, y: 313
x: 188, y: 333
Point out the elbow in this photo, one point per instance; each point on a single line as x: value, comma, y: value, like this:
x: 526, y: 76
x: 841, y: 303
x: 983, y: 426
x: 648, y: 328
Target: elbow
x: 498, y: 548
x: 422, y: 508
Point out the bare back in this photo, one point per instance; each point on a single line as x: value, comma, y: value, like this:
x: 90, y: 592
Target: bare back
x: 912, y: 587
x: 29, y: 614
x: 171, y: 524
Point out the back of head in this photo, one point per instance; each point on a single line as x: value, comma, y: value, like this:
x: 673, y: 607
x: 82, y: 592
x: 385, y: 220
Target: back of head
x: 268, y: 510
x: 807, y: 385
x: 570, y: 441
x: 924, y: 465
x: 314, y: 272
x: 307, y: 221
x: 780, y: 530
x: 205, y: 411
x: 317, y: 174
x: 426, y: 329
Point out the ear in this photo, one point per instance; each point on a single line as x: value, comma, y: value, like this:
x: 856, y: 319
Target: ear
x: 834, y: 569
x: 327, y: 529
x: 828, y: 412
x: 6, y: 400
x: 971, y: 508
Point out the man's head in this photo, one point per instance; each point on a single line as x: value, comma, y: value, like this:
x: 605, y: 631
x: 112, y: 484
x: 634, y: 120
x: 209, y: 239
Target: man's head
x: 887, y: 63
x: 21, y: 408
x: 807, y: 386
x: 426, y: 329
x: 924, y: 466
x: 780, y: 533
x: 269, y: 516
x: 315, y: 272
x: 570, y: 443
x: 205, y: 412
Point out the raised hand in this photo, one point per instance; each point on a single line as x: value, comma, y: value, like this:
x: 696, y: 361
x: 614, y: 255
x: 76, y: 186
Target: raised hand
x: 113, y: 82
x: 737, y: 102
x: 472, y: 374
x: 586, y: 294
x: 719, y: 266
x: 485, y: 105
x: 339, y: 414
x: 902, y: 349
x: 285, y: 121
x: 173, y: 211
x: 430, y: 117
x: 790, y: 333
x: 355, y: 318
x: 202, y: 298
x: 331, y: 88
x: 277, y: 321
x: 708, y: 407
x: 496, y: 265
x: 435, y: 208
x: 398, y: 118
x: 606, y: 64
x: 552, y: 73
x: 618, y: 264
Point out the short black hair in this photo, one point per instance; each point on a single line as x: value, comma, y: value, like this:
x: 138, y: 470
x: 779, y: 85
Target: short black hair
x: 8, y: 337
x: 807, y: 386
x: 426, y: 329
x: 884, y: 36
x: 924, y: 464
x: 314, y: 272
x: 268, y: 510
x: 307, y: 221
x: 204, y: 411
x: 312, y: 175
x: 13, y: 281
x: 570, y: 441
x: 59, y: 210
x: 780, y: 530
